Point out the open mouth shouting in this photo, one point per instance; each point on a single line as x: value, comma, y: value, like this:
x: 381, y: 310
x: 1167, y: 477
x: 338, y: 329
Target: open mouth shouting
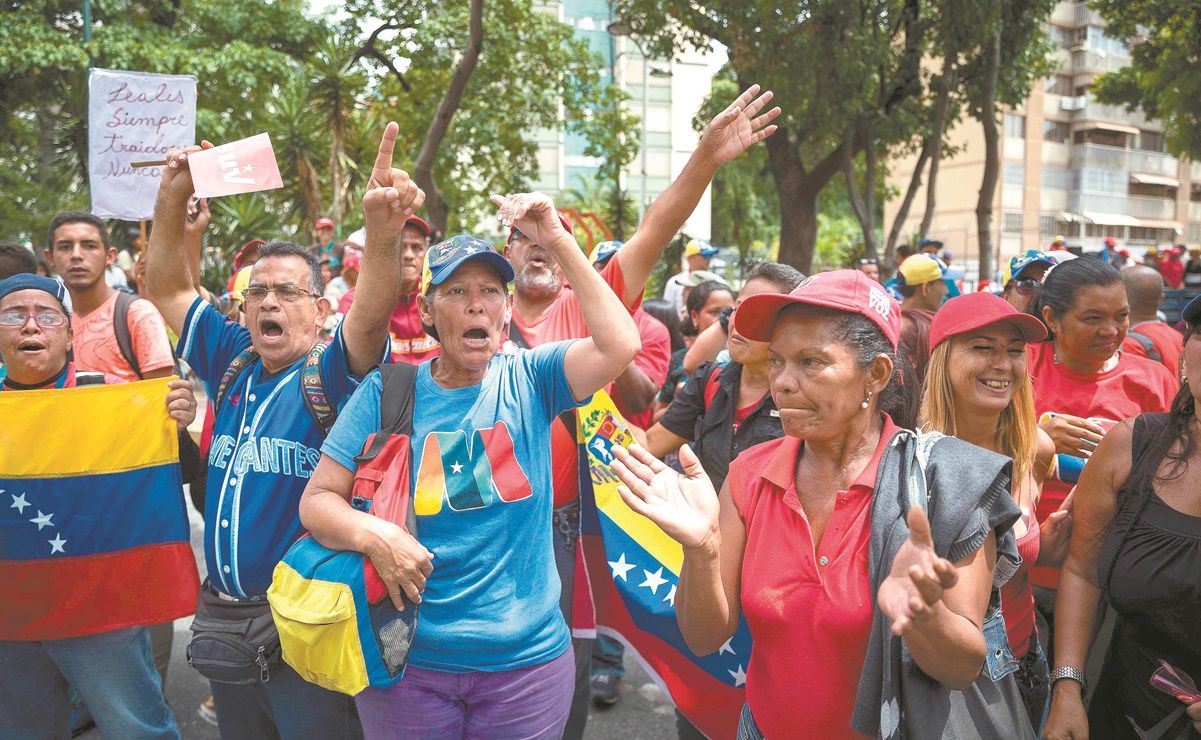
x: 270, y: 330
x: 476, y: 338
x: 29, y: 347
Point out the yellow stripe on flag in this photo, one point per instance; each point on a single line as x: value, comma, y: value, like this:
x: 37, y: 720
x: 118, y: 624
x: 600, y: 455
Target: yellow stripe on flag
x: 41, y: 431
x: 601, y: 418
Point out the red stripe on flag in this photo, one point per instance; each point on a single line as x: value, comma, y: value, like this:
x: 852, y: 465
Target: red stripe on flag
x: 52, y: 599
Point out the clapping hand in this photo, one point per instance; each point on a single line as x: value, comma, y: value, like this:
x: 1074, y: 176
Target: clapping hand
x: 918, y: 577
x: 391, y: 196
x: 739, y: 126
x: 684, y: 506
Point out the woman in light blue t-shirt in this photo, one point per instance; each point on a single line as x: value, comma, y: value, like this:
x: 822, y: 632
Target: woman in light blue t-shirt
x: 492, y: 653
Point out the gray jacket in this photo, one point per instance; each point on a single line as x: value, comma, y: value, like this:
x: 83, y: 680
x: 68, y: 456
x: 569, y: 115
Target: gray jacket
x: 965, y: 491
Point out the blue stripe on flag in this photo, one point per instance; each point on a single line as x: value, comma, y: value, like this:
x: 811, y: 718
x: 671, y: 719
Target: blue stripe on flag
x: 91, y: 514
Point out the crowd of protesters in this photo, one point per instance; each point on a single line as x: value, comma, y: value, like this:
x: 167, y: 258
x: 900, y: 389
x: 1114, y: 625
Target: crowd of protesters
x: 922, y: 504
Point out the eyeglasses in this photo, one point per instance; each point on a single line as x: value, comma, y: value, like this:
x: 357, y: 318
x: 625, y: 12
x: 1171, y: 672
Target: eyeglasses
x: 287, y: 293
x: 42, y: 318
x: 1026, y: 286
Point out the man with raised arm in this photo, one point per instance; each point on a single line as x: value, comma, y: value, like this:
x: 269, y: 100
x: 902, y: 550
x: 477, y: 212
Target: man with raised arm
x: 276, y: 388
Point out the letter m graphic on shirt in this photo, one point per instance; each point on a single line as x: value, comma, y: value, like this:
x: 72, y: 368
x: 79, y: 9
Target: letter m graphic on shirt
x: 469, y: 472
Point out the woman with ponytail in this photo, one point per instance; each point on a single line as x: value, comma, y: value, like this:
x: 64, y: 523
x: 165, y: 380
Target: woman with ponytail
x: 1136, y: 547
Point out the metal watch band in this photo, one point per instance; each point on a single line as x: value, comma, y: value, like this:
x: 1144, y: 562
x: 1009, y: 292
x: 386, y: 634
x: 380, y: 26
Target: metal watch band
x: 1075, y: 674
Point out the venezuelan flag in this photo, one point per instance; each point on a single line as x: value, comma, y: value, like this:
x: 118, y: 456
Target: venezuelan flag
x: 633, y: 569
x: 93, y: 530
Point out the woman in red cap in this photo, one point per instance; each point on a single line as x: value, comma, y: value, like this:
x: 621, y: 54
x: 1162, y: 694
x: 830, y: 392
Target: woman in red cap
x: 866, y: 614
x: 977, y: 389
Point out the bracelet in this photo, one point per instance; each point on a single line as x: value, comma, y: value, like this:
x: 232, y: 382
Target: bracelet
x: 1074, y: 674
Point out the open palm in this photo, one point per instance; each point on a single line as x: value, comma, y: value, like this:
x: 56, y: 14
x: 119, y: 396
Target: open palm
x: 739, y: 126
x: 684, y: 506
x: 918, y: 577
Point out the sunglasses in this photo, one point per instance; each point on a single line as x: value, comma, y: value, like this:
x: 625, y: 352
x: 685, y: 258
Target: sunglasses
x: 41, y: 318
x: 868, y: 261
x: 1026, y: 286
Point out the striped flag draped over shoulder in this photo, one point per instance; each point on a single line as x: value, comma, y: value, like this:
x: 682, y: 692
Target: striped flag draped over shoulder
x: 633, y: 570
x: 93, y: 529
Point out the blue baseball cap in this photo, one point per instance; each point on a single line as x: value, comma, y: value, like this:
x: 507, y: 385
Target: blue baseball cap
x: 31, y: 281
x: 605, y: 250
x: 1019, y: 263
x: 445, y: 257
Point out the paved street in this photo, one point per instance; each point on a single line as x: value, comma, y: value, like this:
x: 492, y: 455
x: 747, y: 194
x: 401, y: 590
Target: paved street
x: 643, y: 712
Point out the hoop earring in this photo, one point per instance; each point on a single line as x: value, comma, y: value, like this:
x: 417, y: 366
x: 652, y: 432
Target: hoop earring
x: 866, y: 401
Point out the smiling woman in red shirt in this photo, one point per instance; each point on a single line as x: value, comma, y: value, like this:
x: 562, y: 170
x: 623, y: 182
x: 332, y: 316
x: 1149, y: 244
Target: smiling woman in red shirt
x: 794, y: 540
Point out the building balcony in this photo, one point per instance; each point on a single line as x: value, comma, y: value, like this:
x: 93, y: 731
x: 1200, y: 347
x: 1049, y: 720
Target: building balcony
x: 1091, y: 60
x: 1098, y: 203
x: 1142, y: 206
x: 1086, y: 16
x: 1194, y: 212
x: 1098, y: 156
x: 1085, y: 108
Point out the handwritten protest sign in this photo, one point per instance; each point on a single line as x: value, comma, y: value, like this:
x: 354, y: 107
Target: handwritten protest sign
x: 243, y: 166
x: 132, y: 116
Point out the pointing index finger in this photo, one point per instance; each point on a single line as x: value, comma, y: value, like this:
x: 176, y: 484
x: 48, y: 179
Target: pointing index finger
x: 383, y: 160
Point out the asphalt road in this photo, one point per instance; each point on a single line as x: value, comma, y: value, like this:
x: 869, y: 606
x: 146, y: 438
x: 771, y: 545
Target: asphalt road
x: 643, y: 712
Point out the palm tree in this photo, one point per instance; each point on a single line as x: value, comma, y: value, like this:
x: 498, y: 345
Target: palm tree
x: 296, y: 136
x: 335, y: 80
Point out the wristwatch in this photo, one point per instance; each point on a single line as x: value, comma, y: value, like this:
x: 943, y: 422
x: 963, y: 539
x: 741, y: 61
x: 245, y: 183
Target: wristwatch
x: 1075, y: 674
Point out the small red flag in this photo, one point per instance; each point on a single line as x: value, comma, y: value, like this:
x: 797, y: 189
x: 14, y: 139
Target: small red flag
x: 245, y: 166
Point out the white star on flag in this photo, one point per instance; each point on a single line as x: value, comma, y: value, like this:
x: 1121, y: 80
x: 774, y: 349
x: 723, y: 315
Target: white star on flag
x: 456, y: 468
x: 621, y: 567
x: 671, y: 595
x: 725, y: 648
x: 653, y: 580
x: 739, y: 676
x: 56, y: 544
x: 248, y: 168
x: 42, y: 520
x: 19, y: 502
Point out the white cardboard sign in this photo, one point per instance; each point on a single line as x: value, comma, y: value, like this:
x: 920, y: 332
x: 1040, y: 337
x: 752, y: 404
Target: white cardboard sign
x: 134, y: 116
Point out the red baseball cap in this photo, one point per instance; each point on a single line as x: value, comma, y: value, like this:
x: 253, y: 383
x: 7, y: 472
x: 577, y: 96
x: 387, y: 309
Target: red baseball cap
x: 842, y: 290
x: 323, y: 223
x: 420, y: 223
x: 562, y: 219
x: 977, y: 310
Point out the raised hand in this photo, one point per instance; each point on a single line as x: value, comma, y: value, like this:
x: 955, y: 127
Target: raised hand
x: 391, y: 196
x: 176, y: 183
x: 739, y: 126
x: 684, y: 506
x: 533, y: 214
x: 918, y: 577
x: 199, y: 217
x: 1055, y: 534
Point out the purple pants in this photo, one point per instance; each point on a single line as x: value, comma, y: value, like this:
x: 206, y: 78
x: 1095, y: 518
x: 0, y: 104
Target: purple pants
x: 518, y: 704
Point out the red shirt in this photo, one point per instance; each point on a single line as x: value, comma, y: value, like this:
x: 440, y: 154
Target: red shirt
x: 1173, y: 272
x: 1168, y: 342
x: 410, y: 343
x: 1135, y: 385
x: 808, y: 605
x: 562, y: 321
x: 652, y: 360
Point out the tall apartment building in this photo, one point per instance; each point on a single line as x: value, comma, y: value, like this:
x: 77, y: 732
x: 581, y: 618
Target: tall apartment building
x: 664, y: 93
x: 1070, y: 165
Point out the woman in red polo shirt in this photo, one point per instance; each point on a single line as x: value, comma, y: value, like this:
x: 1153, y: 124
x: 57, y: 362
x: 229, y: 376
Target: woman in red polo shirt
x: 978, y: 390
x: 794, y: 540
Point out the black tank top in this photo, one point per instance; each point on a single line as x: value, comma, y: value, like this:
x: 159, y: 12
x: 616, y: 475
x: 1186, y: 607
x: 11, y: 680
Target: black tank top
x: 1156, y: 591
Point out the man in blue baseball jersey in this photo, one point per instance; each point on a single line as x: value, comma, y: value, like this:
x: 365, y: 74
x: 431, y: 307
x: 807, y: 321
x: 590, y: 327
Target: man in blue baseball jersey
x: 268, y: 427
